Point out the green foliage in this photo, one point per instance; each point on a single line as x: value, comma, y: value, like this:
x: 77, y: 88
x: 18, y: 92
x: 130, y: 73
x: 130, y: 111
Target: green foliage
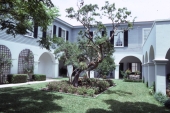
x: 137, y: 72
x: 38, y: 77
x: 152, y: 89
x: 111, y: 83
x: 90, y: 92
x: 160, y: 97
x: 19, y: 16
x: 103, y: 85
x: 106, y: 66
x: 5, y: 62
x: 17, y: 78
x: 167, y: 104
x: 132, y: 80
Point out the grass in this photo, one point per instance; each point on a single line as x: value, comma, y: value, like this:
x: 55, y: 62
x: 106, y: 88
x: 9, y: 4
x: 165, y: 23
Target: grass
x: 126, y: 97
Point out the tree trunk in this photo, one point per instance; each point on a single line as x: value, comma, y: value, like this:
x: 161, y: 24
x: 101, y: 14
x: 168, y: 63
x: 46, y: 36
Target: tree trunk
x: 76, y: 78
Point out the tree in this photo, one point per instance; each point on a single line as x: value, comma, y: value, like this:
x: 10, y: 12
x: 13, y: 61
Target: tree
x: 92, y: 49
x: 19, y: 16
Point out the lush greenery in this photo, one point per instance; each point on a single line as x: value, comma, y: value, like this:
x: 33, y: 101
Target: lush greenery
x: 160, y: 97
x: 92, y: 47
x: 39, y: 77
x: 21, y: 16
x: 129, y: 76
x: 106, y: 66
x: 17, y: 78
x: 124, y: 98
x: 87, y: 86
x: 167, y: 103
x: 5, y: 62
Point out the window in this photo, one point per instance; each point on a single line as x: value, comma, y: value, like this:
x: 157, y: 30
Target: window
x: 146, y: 32
x: 134, y: 67
x: 63, y: 33
x: 119, y: 39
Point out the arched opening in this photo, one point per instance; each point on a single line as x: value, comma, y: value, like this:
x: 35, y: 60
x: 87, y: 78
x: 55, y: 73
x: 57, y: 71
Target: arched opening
x: 146, y: 57
x: 5, y: 62
x: 151, y: 54
x: 46, y: 65
x: 26, y: 62
x: 168, y: 66
x: 129, y: 62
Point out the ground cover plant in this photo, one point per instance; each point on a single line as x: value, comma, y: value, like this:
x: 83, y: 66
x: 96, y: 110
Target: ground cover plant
x: 126, y: 97
x: 86, y: 87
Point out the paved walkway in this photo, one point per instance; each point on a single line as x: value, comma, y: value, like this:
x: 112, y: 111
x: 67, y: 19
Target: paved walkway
x: 31, y: 82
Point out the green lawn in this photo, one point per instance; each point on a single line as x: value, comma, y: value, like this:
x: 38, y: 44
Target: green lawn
x: 126, y: 97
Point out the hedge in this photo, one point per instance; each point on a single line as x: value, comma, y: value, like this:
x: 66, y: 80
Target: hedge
x: 39, y: 77
x: 17, y: 78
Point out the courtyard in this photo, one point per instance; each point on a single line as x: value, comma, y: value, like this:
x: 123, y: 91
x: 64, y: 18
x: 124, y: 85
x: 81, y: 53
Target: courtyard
x: 129, y: 97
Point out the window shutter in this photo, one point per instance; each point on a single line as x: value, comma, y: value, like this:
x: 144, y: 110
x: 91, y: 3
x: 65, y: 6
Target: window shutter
x: 59, y: 32
x: 112, y: 40
x: 130, y: 66
x: 44, y: 34
x: 125, y: 38
x: 67, y: 33
x: 54, y: 30
x: 35, y: 31
x: 91, y: 33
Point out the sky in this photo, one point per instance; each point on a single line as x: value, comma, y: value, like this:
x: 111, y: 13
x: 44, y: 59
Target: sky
x: 144, y: 10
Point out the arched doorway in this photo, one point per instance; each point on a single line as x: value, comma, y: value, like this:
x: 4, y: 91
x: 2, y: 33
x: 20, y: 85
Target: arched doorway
x: 46, y: 65
x: 129, y: 62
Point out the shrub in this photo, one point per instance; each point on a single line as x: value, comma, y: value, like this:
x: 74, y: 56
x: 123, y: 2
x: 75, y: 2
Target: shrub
x: 72, y: 89
x: 103, y: 85
x: 132, y: 80
x: 53, y: 86
x: 152, y: 89
x: 111, y: 83
x: 39, y: 77
x: 160, y: 97
x: 90, y: 92
x: 17, y: 78
x: 80, y: 91
x: 96, y: 89
x: 167, y: 103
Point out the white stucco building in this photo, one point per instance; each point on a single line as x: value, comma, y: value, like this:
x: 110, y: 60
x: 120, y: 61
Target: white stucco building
x: 146, y: 48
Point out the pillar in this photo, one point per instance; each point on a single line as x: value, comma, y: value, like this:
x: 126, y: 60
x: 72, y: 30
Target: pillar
x: 146, y: 72
x: 36, y: 63
x: 151, y: 73
x: 160, y: 75
x: 56, y: 68
x: 117, y: 72
x: 14, y: 67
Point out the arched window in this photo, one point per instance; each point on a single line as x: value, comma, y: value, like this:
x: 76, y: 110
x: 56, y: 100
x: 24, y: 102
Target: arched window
x: 26, y: 62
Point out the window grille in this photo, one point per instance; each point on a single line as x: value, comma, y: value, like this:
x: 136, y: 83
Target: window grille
x: 4, y: 51
x: 25, y: 62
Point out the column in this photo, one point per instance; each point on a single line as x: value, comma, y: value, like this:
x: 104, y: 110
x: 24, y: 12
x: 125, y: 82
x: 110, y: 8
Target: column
x: 14, y: 67
x: 160, y: 75
x: 36, y: 63
x: 151, y: 73
x: 56, y: 69
x: 143, y: 71
x: 146, y: 72
x: 117, y: 72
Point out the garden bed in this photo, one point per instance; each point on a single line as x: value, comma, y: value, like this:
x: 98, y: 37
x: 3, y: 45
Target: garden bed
x: 86, y: 86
